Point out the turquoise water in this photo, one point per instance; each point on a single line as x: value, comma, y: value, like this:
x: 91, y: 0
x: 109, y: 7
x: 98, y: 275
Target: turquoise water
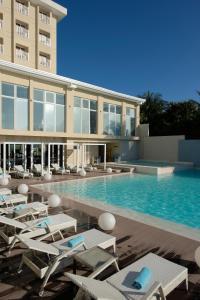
x: 174, y: 197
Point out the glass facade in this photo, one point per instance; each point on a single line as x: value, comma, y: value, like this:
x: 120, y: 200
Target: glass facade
x: 85, y: 116
x: 49, y: 111
x: 130, y: 121
x: 112, y: 119
x: 14, y: 106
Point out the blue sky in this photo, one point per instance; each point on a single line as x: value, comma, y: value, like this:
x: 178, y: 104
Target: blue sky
x: 132, y: 46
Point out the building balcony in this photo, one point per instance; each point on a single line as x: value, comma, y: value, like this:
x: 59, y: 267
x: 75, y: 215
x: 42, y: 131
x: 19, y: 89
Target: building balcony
x: 22, y: 9
x: 44, y: 18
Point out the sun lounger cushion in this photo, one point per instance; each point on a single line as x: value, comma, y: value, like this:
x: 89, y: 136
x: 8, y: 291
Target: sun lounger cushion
x: 3, y: 197
x: 44, y: 223
x: 142, y: 278
x: 19, y: 207
x: 75, y: 241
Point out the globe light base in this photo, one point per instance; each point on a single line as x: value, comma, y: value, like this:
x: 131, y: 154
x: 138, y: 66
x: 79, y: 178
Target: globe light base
x: 82, y: 173
x: 54, y: 200
x: 23, y: 188
x: 109, y: 170
x: 4, y: 181
x: 107, y: 221
x: 47, y: 177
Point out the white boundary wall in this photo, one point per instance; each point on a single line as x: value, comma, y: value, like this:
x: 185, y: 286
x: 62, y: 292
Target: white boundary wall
x: 161, y: 148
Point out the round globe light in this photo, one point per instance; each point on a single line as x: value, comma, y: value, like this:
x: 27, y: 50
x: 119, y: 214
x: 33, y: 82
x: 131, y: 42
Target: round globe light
x: 197, y: 256
x: 23, y: 188
x: 4, y: 181
x: 82, y: 173
x: 47, y: 177
x: 54, y: 200
x: 109, y: 170
x: 106, y: 221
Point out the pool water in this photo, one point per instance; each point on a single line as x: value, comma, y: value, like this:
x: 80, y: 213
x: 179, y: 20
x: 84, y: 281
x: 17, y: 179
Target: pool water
x: 174, y: 197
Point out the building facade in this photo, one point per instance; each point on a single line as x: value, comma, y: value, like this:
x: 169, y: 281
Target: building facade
x: 39, y: 106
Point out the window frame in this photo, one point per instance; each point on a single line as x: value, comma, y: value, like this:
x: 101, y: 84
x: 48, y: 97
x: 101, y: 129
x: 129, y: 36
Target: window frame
x: 89, y: 109
x: 109, y: 113
x: 15, y: 98
x: 44, y: 102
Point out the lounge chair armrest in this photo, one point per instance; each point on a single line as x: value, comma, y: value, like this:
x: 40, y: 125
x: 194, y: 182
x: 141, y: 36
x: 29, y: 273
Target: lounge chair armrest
x: 156, y: 287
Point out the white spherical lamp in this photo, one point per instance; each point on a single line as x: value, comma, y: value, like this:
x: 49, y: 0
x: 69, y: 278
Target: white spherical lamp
x: 197, y: 256
x: 4, y: 181
x: 23, y: 188
x: 47, y: 177
x: 106, y: 221
x: 82, y: 173
x: 109, y: 170
x: 54, y: 200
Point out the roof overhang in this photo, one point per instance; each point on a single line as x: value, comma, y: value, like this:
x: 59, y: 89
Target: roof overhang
x: 59, y: 11
x: 65, y: 81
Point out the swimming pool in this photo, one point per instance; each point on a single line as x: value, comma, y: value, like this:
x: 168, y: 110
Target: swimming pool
x: 175, y: 197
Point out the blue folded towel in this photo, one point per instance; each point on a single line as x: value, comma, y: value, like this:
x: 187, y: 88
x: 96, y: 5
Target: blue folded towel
x: 142, y: 278
x: 19, y: 207
x: 75, y: 241
x: 3, y: 197
x: 43, y: 223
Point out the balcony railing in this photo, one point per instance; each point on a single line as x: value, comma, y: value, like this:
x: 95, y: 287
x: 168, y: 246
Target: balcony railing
x: 1, y: 48
x: 45, y: 40
x: 45, y: 62
x: 22, y: 9
x: 22, y: 55
x: 23, y: 32
x: 44, y: 18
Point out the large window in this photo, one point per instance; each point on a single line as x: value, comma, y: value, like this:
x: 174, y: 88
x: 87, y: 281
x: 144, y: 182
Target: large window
x: 85, y: 116
x: 49, y: 111
x: 14, y: 101
x: 112, y: 119
x: 130, y: 121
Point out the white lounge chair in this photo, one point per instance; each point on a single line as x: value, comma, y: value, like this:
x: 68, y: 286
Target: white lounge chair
x: 22, y: 173
x: 5, y: 191
x: 166, y: 276
x: 32, y: 209
x: 11, y: 200
x: 37, y: 170
x: 59, y: 252
x: 35, y: 228
x: 58, y: 170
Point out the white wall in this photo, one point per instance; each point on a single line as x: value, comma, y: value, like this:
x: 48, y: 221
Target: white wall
x: 163, y: 148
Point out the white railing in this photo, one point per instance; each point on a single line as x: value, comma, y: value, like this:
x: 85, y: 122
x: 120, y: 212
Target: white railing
x: 45, y: 62
x: 22, y: 55
x: 22, y: 31
x: 1, y: 23
x: 1, y: 48
x: 22, y: 9
x: 45, y: 40
x: 44, y: 18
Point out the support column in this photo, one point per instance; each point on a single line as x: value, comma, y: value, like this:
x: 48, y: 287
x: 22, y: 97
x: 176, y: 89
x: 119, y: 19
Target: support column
x: 31, y: 165
x: 82, y: 149
x: 104, y: 156
x: 58, y: 154
x: 63, y: 156
x: 49, y: 157
x: 9, y: 157
x: 25, y: 156
x: 42, y: 158
x: 78, y: 153
x: 4, y: 159
x: 14, y: 149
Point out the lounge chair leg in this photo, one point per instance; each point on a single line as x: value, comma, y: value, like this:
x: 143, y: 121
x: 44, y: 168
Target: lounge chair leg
x: 186, y: 283
x: 20, y: 267
x: 116, y: 266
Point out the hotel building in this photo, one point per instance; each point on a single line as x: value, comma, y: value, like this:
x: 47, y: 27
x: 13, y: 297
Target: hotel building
x: 41, y: 111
